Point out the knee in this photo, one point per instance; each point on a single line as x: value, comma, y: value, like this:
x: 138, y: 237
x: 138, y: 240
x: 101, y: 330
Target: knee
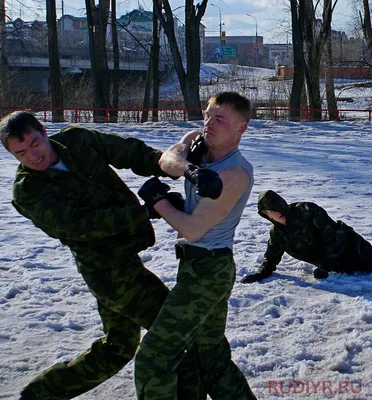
x: 115, y: 348
x: 121, y: 349
x: 151, y: 360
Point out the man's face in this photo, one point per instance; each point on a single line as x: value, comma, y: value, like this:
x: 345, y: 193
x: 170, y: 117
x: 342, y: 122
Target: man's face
x: 35, y: 151
x: 276, y: 216
x: 223, y: 126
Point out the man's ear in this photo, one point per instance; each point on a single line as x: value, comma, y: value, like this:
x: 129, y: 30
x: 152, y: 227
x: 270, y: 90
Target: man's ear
x: 243, y: 127
x: 43, y: 131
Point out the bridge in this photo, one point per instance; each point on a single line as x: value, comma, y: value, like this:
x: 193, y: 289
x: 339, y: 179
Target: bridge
x: 77, y: 65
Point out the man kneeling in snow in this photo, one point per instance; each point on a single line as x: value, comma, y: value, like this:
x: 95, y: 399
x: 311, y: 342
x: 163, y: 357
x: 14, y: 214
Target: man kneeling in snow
x: 305, y: 231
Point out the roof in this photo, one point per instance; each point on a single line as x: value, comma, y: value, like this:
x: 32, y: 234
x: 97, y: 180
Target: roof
x: 137, y: 16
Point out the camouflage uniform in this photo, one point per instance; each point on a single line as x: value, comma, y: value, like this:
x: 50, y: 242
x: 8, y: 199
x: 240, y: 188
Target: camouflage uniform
x: 91, y: 210
x: 194, y: 312
x: 312, y: 236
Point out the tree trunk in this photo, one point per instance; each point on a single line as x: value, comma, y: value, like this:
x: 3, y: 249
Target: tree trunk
x: 155, y: 68
x: 297, y: 13
x: 146, y: 97
x: 97, y: 17
x: 315, y: 37
x: 189, y: 82
x: 312, y: 74
x: 329, y: 83
x: 366, y: 24
x: 116, y: 71
x: 152, y: 74
x: 4, y: 68
x: 54, y: 64
x: 193, y: 60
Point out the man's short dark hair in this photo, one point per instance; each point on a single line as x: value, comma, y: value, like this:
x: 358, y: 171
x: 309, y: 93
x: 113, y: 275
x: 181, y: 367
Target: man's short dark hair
x: 238, y: 101
x: 16, y: 124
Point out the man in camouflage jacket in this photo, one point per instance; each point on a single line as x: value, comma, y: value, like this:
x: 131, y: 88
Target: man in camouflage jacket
x: 306, y: 232
x: 66, y: 187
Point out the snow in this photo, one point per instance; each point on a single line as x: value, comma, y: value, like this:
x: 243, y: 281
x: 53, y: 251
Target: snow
x: 292, y: 335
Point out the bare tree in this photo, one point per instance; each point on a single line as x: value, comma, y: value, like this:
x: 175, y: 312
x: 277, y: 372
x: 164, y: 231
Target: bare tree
x: 152, y: 76
x: 54, y: 64
x: 147, y: 94
x: 97, y: 16
x: 315, y: 35
x: 189, y: 79
x: 4, y: 69
x: 297, y: 14
x: 365, y: 20
x: 328, y: 70
x: 155, y: 51
x: 116, y: 70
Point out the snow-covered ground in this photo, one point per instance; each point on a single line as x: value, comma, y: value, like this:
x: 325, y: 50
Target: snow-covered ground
x: 288, y: 328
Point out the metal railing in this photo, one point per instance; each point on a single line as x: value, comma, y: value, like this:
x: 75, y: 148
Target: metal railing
x: 89, y: 115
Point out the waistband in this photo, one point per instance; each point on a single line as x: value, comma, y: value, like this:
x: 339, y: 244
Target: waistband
x: 189, y: 252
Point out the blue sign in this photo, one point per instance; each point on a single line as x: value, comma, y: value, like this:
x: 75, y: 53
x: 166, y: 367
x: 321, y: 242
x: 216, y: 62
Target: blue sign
x: 230, y: 51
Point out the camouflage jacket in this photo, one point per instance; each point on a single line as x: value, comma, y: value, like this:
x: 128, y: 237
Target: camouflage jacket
x: 309, y: 234
x: 90, y: 209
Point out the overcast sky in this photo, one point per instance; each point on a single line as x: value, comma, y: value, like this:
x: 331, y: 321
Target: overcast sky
x: 271, y: 15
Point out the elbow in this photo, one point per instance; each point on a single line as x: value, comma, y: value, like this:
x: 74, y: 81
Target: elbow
x: 161, y: 162
x: 166, y: 167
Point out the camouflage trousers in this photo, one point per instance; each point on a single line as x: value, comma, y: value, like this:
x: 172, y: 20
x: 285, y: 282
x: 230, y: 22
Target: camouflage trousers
x: 362, y: 253
x: 357, y: 254
x: 129, y: 296
x: 194, y: 313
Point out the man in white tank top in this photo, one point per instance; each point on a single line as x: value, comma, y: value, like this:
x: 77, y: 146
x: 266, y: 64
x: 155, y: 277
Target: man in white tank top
x: 195, y: 311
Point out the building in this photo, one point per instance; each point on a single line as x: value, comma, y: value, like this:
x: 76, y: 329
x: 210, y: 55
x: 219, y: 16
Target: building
x: 243, y: 50
x: 278, y: 54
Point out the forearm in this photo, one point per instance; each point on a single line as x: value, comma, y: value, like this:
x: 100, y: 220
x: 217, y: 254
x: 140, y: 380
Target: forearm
x: 186, y: 225
x: 129, y: 153
x: 173, y: 161
x: 273, y: 254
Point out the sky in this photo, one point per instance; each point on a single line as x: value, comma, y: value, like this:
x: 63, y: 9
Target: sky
x: 288, y: 328
x: 271, y: 16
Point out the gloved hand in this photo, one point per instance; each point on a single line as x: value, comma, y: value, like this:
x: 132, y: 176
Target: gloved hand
x: 151, y: 192
x: 320, y: 273
x: 197, y: 150
x: 174, y: 198
x: 208, y: 183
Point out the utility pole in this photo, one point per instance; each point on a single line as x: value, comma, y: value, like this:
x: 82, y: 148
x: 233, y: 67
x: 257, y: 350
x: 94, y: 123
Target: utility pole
x: 62, y: 25
x: 220, y: 53
x: 256, y: 45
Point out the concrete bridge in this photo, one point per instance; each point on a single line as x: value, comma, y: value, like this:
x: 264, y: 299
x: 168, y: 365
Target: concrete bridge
x: 76, y: 65
x: 32, y: 71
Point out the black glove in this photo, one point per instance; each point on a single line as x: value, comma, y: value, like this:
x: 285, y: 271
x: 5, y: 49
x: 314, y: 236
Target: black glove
x: 151, y: 192
x: 197, y: 150
x: 320, y: 273
x: 208, y: 183
x: 176, y: 200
